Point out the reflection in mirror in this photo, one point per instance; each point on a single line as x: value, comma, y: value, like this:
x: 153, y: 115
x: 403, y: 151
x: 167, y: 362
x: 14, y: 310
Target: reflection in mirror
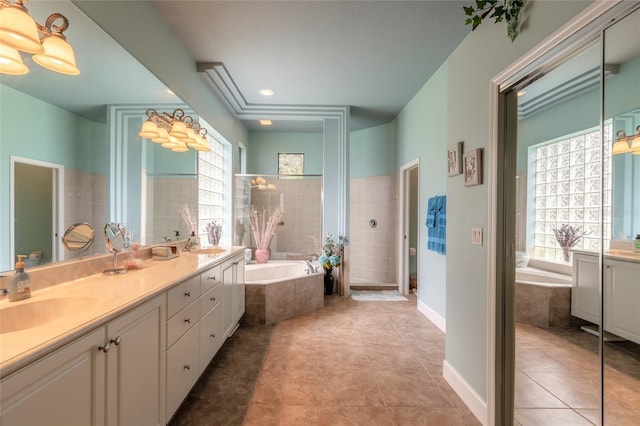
x: 73, y: 137
x: 78, y: 237
x: 621, y: 278
x: 558, y: 163
x: 114, y: 237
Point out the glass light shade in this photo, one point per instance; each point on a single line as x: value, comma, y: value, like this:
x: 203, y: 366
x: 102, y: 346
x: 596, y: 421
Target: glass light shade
x: 11, y: 62
x: 180, y: 147
x: 178, y: 130
x: 163, y: 136
x: 19, y: 30
x: 620, y: 147
x: 635, y: 145
x: 149, y: 130
x: 171, y: 143
x: 58, y: 56
x: 204, y: 145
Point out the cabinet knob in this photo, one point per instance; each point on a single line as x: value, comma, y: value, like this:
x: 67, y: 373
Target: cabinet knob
x: 104, y: 348
x: 187, y: 367
x: 213, y: 336
x: 187, y: 294
x: 213, y: 299
x: 116, y: 341
x: 211, y: 277
x: 187, y: 320
x: 236, y: 262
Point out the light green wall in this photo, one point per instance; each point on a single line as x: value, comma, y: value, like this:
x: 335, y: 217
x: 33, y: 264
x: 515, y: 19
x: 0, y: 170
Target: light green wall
x: 481, y: 56
x: 421, y: 135
x: 372, y: 151
x: 57, y: 136
x: 263, y: 149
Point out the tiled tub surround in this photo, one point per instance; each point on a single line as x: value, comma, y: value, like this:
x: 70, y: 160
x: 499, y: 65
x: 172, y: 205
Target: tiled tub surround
x: 113, y: 295
x: 543, y: 298
x: 279, y: 290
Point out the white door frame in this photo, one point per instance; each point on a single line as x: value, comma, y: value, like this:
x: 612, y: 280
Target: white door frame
x: 403, y: 226
x: 57, y: 216
x: 582, y: 26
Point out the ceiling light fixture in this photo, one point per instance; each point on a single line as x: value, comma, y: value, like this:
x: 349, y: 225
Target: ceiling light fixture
x: 176, y: 131
x: 18, y: 31
x: 266, y: 122
x: 625, y: 144
x: 521, y: 93
x: 266, y: 92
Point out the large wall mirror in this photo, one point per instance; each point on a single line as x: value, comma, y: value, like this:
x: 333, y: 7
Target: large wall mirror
x: 70, y: 151
x: 574, y: 306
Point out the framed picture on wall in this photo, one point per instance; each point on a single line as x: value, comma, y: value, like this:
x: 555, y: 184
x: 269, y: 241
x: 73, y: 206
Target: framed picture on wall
x: 290, y: 163
x: 454, y: 159
x: 472, y: 163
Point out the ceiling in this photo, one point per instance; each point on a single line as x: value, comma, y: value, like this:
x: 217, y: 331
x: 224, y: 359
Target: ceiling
x: 370, y: 55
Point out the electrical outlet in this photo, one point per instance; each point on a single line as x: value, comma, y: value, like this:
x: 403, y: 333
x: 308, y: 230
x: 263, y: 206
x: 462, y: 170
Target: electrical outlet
x: 476, y: 236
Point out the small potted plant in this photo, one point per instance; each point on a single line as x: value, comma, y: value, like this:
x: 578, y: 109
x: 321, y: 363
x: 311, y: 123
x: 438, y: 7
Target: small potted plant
x: 568, y: 236
x: 330, y: 257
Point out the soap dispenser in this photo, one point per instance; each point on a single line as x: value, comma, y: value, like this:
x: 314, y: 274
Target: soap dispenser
x: 20, y: 286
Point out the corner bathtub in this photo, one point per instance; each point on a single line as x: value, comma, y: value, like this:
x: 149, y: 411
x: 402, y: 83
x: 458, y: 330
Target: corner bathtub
x: 280, y: 289
x: 543, y: 298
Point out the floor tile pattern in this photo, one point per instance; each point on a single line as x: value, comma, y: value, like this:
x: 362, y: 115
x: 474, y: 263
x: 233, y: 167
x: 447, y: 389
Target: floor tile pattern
x: 349, y: 363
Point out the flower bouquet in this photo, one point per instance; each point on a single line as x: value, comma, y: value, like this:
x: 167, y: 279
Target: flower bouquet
x: 330, y: 257
x: 214, y: 231
x: 263, y: 227
x: 568, y: 236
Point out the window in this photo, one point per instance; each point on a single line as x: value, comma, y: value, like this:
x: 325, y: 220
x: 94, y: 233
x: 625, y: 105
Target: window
x: 564, y: 177
x: 290, y: 164
x: 210, y: 188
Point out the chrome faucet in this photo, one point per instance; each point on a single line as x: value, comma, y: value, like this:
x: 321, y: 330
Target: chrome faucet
x: 310, y: 268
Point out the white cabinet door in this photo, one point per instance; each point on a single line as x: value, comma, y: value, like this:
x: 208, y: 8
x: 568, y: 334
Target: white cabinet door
x: 585, y: 296
x: 211, y: 335
x: 239, y: 288
x: 136, y: 366
x: 183, y: 369
x: 229, y: 295
x: 65, y: 387
x: 622, y: 299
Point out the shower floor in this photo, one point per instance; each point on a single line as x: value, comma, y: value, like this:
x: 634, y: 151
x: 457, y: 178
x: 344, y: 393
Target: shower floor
x: 360, y: 284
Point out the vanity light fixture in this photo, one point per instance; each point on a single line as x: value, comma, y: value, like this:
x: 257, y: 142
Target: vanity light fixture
x: 625, y: 144
x: 175, y: 131
x: 19, y: 32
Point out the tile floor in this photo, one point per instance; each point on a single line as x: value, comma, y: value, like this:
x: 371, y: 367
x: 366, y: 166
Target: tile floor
x: 349, y: 363
x: 557, y: 379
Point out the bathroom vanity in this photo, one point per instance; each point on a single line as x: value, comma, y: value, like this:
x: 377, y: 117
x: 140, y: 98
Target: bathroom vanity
x: 621, y: 291
x: 128, y: 349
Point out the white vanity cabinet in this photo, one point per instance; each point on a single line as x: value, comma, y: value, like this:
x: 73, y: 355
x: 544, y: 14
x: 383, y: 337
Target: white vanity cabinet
x: 622, y: 299
x: 585, y: 294
x: 113, y: 375
x: 233, y: 289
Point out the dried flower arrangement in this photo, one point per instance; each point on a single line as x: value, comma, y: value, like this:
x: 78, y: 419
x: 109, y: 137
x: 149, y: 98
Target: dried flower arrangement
x: 263, y: 226
x: 214, y: 231
x: 567, y: 237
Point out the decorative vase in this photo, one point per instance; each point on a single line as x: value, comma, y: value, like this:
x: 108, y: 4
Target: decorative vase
x: 328, y: 281
x: 262, y: 256
x: 566, y: 254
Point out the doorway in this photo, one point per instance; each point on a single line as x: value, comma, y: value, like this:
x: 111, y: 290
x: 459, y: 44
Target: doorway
x: 409, y: 244
x: 36, y: 210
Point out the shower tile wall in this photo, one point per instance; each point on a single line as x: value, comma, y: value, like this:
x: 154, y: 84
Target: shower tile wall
x: 302, y: 205
x: 165, y: 197
x: 85, y: 200
x: 373, y: 250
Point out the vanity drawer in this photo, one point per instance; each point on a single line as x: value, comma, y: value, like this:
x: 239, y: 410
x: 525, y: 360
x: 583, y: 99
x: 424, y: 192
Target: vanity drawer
x: 182, y: 294
x: 211, y: 335
x: 209, y: 279
x: 210, y: 299
x: 183, y: 369
x: 182, y: 321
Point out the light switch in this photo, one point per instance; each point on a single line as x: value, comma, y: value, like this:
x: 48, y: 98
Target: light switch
x: 476, y: 236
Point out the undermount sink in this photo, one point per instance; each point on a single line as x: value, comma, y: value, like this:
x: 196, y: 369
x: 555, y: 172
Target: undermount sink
x: 29, y: 314
x: 212, y: 250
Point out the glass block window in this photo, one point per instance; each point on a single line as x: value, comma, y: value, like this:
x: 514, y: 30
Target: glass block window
x: 290, y: 164
x: 564, y: 176
x: 210, y: 188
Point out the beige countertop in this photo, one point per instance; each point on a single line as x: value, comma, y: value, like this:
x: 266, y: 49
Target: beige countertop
x: 105, y: 297
x: 615, y: 254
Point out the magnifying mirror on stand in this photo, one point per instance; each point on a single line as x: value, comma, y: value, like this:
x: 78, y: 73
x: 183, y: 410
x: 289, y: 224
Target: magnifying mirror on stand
x: 114, y: 238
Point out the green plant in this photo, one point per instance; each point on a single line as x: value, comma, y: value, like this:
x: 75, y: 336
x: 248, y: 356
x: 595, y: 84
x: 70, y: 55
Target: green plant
x: 500, y: 10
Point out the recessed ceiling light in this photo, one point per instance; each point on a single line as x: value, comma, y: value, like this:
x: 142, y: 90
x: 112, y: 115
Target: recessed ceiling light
x: 169, y: 91
x: 521, y: 92
x: 266, y: 92
x: 266, y: 122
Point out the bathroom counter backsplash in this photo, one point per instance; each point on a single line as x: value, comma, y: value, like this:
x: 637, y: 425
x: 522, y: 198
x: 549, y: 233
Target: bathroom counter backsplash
x: 110, y: 296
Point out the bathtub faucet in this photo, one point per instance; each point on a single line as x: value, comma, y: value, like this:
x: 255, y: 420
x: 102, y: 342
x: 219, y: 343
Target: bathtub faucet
x: 310, y: 268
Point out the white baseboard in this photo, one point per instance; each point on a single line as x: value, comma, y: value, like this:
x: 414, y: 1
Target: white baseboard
x: 469, y: 396
x: 432, y: 316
